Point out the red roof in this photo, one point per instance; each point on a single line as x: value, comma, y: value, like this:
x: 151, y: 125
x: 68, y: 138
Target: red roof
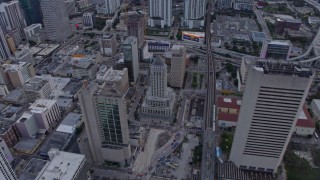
x: 223, y: 102
x: 228, y: 117
x: 306, y: 122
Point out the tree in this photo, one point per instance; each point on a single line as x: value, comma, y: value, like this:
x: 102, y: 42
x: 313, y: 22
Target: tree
x: 226, y: 142
x: 229, y: 67
x: 171, y: 37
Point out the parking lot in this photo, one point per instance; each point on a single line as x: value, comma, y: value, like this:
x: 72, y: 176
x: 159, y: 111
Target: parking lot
x: 176, y: 166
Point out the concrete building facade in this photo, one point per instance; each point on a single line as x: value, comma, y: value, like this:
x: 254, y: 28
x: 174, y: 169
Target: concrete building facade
x: 36, y: 88
x: 135, y: 27
x: 273, y: 97
x: 6, y: 171
x: 55, y: 20
x: 194, y: 11
x: 160, y: 13
x: 178, y: 66
x: 19, y: 73
x: 131, y: 58
x: 108, y: 45
x: 104, y: 111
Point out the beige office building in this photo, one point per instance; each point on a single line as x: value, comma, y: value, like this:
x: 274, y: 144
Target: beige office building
x: 273, y: 98
x: 105, y: 116
x: 178, y: 65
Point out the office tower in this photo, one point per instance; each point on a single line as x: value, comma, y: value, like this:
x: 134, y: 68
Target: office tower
x: 160, y: 13
x: 70, y: 7
x: 104, y: 110
x: 178, y: 65
x: 131, y: 58
x: 159, y: 99
x: 6, y: 171
x: 109, y: 7
x: 194, y: 11
x: 4, y: 49
x: 55, y: 20
x: 108, y: 44
x: 276, y: 49
x: 135, y: 27
x: 273, y: 98
x: 32, y: 11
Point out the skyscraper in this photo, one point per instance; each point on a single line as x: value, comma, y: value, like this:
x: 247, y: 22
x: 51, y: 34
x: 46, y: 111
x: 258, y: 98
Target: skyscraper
x: 55, y: 20
x: 131, y: 58
x: 12, y: 19
x: 159, y: 99
x: 108, y: 7
x: 105, y: 116
x: 194, y: 11
x: 32, y: 11
x: 178, y: 65
x: 6, y: 171
x: 273, y: 98
x: 160, y: 13
x: 136, y: 27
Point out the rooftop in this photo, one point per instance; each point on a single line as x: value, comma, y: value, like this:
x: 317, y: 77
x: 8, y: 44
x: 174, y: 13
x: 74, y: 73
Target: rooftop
x: 232, y: 103
x: 271, y: 67
x: 228, y: 117
x: 63, y: 166
x: 35, y: 84
x: 33, y: 168
x: 280, y: 42
x: 64, y: 102
x: 70, y: 123
x: 107, y: 36
x: 259, y: 34
x: 32, y: 26
x: 130, y: 40
x: 57, y: 140
x: 305, y: 119
x: 41, y: 105
x: 158, y: 61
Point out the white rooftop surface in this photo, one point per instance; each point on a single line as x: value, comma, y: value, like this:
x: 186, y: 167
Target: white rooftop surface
x: 32, y: 26
x: 115, y: 75
x: 14, y: 67
x: 103, y: 72
x: 26, y: 115
x: 48, y: 49
x: 35, y: 50
x: 63, y: 166
x: 65, y: 129
x: 302, y: 115
x: 41, y: 105
x: 227, y: 100
x: 279, y: 42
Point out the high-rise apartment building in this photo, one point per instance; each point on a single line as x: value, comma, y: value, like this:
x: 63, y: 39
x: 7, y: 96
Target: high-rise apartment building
x: 55, y: 20
x: 131, y: 58
x: 12, y: 19
x: 276, y: 49
x: 108, y: 44
x: 32, y: 11
x: 6, y: 171
x: 109, y: 7
x: 159, y: 99
x: 4, y: 49
x: 135, y: 26
x: 194, y: 11
x: 160, y: 13
x: 178, y: 65
x: 273, y: 98
x: 104, y: 111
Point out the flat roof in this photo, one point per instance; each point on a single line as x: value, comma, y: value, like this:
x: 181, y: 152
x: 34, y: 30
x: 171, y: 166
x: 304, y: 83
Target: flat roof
x: 58, y: 140
x: 63, y: 166
x: 305, y: 119
x: 33, y: 168
x: 227, y: 102
x: 64, y: 102
x: 42, y: 105
x: 259, y: 34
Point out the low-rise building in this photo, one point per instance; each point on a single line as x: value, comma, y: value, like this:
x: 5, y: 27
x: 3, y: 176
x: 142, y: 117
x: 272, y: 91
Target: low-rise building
x: 259, y: 37
x: 228, y: 105
x: 70, y: 123
x: 27, y: 125
x: 24, y: 54
x: 305, y: 125
x: 284, y: 22
x: 63, y: 165
x: 19, y: 73
x: 313, y: 20
x: 36, y: 88
x: 108, y: 45
x: 46, y: 112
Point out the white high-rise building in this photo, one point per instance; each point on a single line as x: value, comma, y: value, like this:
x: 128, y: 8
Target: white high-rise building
x: 12, y: 19
x: 55, y: 20
x: 178, y: 65
x: 6, y: 171
x: 160, y: 13
x: 131, y: 57
x: 273, y: 98
x: 104, y: 109
x: 88, y: 20
x: 159, y: 99
x: 194, y: 11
